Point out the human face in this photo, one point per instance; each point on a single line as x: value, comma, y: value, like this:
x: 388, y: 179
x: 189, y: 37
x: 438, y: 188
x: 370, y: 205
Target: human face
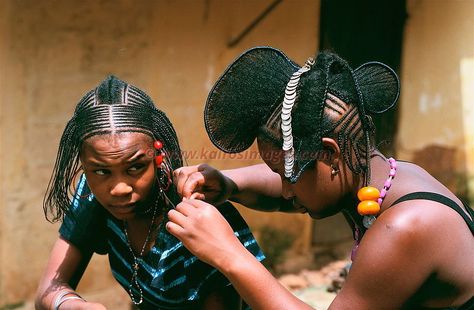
x: 314, y: 192
x: 120, y: 171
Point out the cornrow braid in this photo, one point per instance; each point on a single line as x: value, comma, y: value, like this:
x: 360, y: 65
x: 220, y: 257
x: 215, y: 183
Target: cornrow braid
x: 368, y: 129
x: 111, y: 108
x: 340, y: 121
x: 349, y: 131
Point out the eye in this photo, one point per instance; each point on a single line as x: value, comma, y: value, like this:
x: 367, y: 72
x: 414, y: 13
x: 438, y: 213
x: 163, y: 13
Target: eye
x: 136, y: 168
x: 101, y: 171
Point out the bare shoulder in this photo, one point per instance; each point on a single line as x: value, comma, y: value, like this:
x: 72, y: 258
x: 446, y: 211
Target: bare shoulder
x: 408, y: 229
x: 422, y: 218
x: 423, y: 224
x: 410, y: 246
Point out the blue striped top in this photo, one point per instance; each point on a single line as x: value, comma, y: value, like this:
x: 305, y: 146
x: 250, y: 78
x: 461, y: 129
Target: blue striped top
x: 169, y: 275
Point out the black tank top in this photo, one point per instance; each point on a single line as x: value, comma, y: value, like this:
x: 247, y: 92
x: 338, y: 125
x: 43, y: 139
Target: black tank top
x: 469, y: 305
x: 443, y: 200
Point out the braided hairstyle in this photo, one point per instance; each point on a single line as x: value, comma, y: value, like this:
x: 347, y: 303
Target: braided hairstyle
x: 112, y: 107
x: 336, y: 118
x: 340, y: 121
x: 330, y: 100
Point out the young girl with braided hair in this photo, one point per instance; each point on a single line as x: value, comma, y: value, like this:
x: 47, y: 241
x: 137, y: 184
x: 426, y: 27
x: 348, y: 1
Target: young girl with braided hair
x: 414, y: 242
x: 122, y: 150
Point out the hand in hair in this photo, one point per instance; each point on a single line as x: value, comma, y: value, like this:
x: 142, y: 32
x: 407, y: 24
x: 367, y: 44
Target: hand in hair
x: 203, y: 182
x: 203, y: 231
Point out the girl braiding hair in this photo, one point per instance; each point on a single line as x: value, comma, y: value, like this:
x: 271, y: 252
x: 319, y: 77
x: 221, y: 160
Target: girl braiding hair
x: 315, y: 122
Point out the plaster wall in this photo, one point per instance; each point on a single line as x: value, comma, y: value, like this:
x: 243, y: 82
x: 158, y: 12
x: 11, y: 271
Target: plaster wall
x: 437, y: 101
x: 52, y: 52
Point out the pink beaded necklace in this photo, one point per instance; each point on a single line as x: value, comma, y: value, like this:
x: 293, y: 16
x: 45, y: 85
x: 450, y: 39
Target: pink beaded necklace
x: 371, y: 200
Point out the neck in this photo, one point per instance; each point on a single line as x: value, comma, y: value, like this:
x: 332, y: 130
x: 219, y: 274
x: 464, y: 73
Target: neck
x: 142, y: 220
x: 379, y: 168
x: 352, y: 217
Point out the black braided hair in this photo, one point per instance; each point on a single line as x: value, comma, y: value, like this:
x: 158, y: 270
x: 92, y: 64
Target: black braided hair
x: 340, y: 121
x: 112, y: 107
x: 332, y: 100
x: 337, y: 115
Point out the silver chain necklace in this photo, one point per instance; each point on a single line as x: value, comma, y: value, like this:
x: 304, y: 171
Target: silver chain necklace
x: 137, y: 300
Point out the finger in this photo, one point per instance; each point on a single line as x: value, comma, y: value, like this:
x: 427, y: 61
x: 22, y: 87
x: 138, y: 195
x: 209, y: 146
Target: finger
x: 202, y: 167
x: 185, y: 170
x: 176, y: 217
x: 185, y: 208
x: 198, y: 204
x: 174, y: 229
x: 175, y: 176
x: 180, y: 176
x: 197, y: 195
x: 193, y: 184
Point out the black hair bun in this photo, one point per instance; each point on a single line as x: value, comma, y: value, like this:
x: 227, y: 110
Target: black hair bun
x: 379, y: 86
x: 244, y: 95
x: 252, y: 88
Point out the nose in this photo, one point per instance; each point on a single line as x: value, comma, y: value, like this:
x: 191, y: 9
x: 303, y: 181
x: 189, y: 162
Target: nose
x: 286, y: 190
x: 121, y: 189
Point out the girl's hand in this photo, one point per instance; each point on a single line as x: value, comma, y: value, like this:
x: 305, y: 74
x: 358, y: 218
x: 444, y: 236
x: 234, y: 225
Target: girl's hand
x: 204, y: 232
x: 77, y: 304
x: 203, y: 182
x: 92, y: 306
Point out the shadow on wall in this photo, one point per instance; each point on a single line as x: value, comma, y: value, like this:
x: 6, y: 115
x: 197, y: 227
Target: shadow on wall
x: 443, y: 163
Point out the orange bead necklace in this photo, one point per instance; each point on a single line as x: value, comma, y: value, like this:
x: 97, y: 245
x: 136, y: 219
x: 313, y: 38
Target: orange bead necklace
x: 371, y: 198
x: 370, y: 201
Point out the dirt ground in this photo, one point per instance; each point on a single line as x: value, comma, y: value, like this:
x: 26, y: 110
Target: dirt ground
x: 317, y: 287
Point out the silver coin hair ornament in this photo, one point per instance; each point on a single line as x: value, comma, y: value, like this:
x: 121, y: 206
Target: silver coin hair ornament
x: 288, y: 103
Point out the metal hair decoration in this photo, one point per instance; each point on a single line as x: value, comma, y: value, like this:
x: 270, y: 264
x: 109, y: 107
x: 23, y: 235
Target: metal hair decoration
x: 288, y: 103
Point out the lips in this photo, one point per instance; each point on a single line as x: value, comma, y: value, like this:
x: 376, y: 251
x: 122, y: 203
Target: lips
x: 123, y: 208
x: 299, y: 208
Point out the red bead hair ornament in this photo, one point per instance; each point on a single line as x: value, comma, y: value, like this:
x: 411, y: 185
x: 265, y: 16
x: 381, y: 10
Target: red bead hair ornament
x: 158, y: 158
x: 165, y: 177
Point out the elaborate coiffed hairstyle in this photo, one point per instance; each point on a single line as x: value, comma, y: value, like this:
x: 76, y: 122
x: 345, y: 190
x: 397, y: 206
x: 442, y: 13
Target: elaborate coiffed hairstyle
x: 264, y: 93
x: 112, y: 107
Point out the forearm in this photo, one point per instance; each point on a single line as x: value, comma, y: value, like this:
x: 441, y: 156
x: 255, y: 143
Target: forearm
x: 256, y: 285
x: 49, y: 296
x: 63, y: 271
x: 257, y: 187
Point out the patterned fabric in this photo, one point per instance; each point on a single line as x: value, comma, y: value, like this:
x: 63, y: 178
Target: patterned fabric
x: 169, y: 275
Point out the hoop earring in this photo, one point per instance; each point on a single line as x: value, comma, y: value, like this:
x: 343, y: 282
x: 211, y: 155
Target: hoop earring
x: 334, y: 169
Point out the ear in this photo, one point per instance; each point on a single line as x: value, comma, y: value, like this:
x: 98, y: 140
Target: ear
x: 334, y: 149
